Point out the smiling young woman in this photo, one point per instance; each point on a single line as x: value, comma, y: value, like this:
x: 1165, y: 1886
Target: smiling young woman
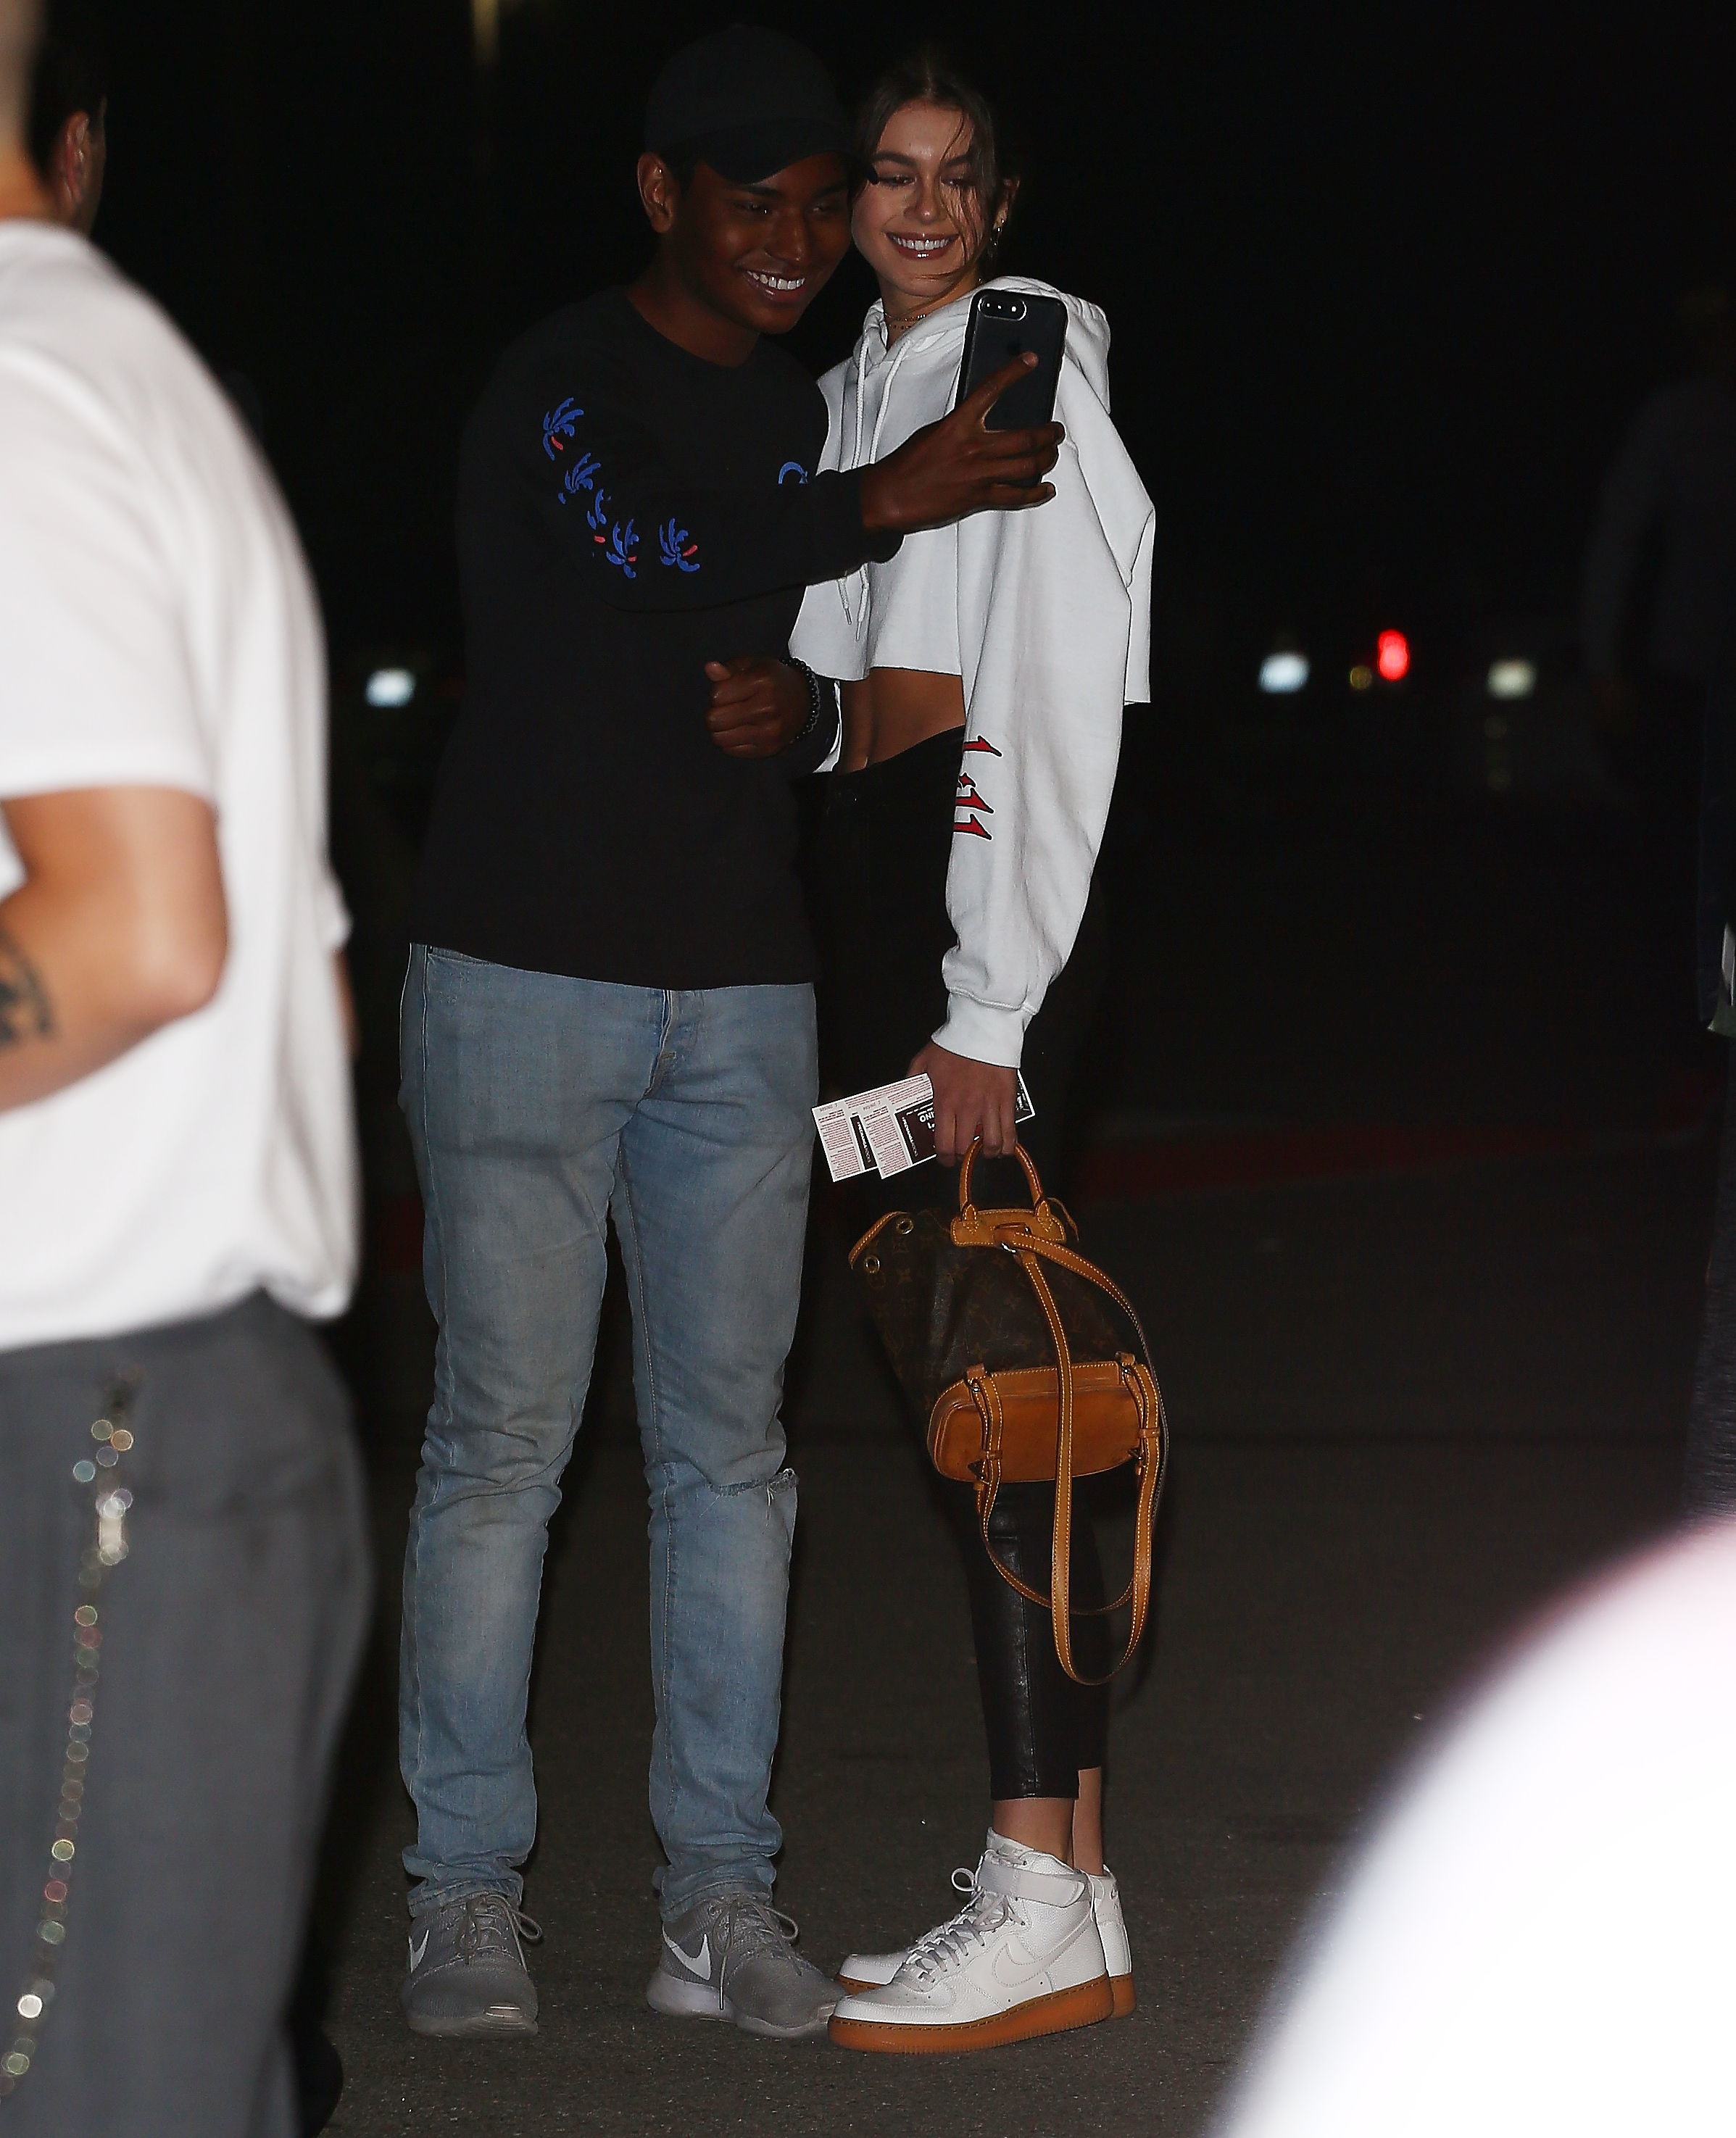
x: 928, y: 219
x: 937, y: 199
x: 985, y: 668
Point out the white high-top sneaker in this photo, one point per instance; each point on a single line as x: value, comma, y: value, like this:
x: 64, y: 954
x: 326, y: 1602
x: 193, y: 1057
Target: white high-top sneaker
x: 873, y: 1970
x: 1022, y: 1957
x: 1117, y: 1953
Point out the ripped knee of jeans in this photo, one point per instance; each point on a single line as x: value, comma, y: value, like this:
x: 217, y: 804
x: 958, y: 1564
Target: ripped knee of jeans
x: 773, y: 1487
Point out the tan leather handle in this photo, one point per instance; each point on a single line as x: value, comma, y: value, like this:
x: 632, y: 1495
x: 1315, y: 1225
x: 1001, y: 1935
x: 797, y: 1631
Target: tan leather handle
x: 968, y: 1164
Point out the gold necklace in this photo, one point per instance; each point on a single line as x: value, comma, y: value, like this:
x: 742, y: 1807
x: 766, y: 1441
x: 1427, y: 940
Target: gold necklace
x: 895, y: 328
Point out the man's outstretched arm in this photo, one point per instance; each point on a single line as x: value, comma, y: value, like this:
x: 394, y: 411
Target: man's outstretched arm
x: 119, y: 928
x: 650, y: 543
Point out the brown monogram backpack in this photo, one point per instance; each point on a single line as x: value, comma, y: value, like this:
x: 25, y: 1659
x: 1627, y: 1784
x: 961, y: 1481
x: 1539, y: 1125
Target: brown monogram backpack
x: 1030, y: 1365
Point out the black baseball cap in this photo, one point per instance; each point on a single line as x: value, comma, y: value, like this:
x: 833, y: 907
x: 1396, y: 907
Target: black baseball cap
x: 748, y: 102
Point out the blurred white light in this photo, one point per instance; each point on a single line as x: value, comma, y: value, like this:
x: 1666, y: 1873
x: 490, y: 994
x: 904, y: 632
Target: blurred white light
x: 1281, y: 673
x: 1512, y: 679
x: 391, y: 687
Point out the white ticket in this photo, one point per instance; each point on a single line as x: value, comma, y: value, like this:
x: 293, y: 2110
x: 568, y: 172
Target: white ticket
x: 889, y: 1129
x: 845, y: 1155
x: 880, y: 1126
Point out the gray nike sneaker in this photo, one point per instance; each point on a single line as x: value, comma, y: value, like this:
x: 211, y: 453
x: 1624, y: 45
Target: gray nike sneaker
x: 467, y: 1972
x: 731, y: 1957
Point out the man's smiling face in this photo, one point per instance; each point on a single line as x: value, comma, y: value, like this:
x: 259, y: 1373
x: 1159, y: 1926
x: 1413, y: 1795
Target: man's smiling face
x: 758, y: 255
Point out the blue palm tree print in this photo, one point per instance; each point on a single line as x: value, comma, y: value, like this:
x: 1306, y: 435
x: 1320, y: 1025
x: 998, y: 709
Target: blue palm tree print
x: 676, y: 547
x: 559, y: 425
x: 618, y: 539
x: 621, y: 552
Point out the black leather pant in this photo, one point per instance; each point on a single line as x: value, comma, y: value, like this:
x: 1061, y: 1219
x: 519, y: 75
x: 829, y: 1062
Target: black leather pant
x: 1042, y: 1727
x: 879, y: 883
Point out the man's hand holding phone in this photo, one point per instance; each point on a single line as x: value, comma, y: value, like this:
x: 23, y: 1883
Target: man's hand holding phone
x: 958, y: 466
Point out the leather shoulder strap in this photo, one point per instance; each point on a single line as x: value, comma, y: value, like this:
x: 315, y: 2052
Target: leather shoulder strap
x: 1067, y: 1258
x: 1152, y: 1461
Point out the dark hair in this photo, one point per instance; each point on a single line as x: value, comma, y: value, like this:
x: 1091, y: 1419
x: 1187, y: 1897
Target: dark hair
x: 71, y: 75
x: 927, y: 76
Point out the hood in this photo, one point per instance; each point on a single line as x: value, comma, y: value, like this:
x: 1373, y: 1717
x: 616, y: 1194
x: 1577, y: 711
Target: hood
x: 939, y: 341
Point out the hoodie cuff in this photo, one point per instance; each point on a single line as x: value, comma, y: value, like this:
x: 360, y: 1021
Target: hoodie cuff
x: 982, y: 1033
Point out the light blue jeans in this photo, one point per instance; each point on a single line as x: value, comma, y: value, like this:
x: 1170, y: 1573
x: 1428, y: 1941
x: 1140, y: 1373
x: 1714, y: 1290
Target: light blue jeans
x: 537, y: 1105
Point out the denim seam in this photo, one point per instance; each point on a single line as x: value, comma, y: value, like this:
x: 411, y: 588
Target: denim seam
x: 650, y: 1425
x: 431, y: 1226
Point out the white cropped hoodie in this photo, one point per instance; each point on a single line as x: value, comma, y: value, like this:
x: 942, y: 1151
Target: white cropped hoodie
x: 1045, y: 617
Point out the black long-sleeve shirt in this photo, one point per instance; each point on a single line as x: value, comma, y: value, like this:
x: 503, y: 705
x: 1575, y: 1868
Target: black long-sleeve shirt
x: 626, y: 512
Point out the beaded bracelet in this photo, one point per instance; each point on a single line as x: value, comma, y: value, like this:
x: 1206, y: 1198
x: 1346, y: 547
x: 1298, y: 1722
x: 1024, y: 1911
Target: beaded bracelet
x: 822, y: 698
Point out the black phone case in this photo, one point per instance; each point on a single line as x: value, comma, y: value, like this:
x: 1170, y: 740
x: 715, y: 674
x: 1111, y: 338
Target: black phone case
x: 1005, y: 323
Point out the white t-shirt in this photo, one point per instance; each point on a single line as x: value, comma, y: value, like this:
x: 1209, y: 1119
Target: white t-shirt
x: 1542, y: 1938
x: 158, y: 628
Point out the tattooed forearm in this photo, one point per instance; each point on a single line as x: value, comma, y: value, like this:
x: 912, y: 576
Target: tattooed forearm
x: 26, y: 1012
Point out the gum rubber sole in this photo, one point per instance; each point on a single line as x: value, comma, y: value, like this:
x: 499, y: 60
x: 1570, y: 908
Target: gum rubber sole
x: 1053, y: 2014
x: 1120, y: 1989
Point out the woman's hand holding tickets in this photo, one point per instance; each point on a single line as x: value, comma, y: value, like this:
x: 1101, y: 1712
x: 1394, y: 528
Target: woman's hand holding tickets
x: 971, y: 1099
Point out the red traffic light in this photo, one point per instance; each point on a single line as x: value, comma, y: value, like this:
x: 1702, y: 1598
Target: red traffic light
x: 1392, y: 655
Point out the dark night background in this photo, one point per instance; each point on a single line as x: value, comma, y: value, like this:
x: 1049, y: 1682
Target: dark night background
x: 1400, y: 1130
x: 1386, y: 282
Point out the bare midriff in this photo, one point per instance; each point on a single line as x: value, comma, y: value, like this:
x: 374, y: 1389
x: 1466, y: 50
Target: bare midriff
x: 894, y: 709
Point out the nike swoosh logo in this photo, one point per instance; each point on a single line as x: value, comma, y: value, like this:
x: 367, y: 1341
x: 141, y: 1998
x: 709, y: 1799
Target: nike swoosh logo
x: 416, y: 1951
x: 702, y: 1965
x: 1013, y: 1974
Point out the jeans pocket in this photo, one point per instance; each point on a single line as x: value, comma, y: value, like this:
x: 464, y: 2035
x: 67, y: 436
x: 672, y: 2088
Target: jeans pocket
x: 451, y: 967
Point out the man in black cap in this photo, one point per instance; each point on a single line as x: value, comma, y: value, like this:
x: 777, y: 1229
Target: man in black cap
x: 610, y: 1010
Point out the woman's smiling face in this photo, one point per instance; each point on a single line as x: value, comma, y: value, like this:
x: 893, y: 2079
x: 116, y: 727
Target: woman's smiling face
x: 919, y: 222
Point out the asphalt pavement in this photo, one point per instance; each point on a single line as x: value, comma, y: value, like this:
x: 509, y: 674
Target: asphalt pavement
x: 1419, y: 1382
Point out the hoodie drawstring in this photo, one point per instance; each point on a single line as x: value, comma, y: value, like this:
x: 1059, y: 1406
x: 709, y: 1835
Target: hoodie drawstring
x: 861, y: 575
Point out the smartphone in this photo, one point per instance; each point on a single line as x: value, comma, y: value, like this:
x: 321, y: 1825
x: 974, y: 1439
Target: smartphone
x: 1005, y: 323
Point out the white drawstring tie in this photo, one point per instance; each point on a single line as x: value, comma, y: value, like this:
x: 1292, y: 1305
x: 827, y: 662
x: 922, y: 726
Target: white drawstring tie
x: 858, y: 622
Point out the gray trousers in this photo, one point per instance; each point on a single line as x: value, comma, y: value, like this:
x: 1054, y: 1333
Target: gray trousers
x: 1710, y: 1482
x: 226, y: 1638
